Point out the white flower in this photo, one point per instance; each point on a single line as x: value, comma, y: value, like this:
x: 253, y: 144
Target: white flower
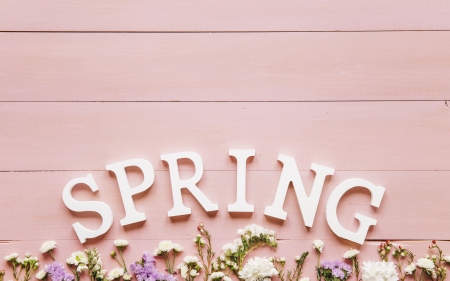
x: 190, y: 259
x: 318, y: 245
x: 305, y: 279
x: 216, y: 276
x: 78, y: 257
x: 256, y: 269
x: 82, y: 268
x: 41, y: 274
x: 165, y: 246
x: 115, y: 273
x: 240, y: 232
x: 226, y: 278
x: 350, y: 254
x: 297, y: 258
x: 47, y: 246
x: 193, y: 273
x: 177, y: 247
x: 126, y: 276
x: 282, y: 259
x: 11, y: 257
x: 446, y: 259
x: 425, y: 263
x: 410, y: 268
x: 120, y: 243
x: 229, y: 248
x: 157, y: 252
x: 184, y: 270
x: 376, y: 271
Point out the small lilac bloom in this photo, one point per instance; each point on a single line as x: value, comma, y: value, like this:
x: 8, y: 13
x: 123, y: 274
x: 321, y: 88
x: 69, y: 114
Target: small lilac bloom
x: 56, y: 272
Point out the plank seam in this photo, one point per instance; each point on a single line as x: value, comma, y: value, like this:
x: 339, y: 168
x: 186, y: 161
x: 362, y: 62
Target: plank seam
x: 447, y: 102
x: 224, y: 31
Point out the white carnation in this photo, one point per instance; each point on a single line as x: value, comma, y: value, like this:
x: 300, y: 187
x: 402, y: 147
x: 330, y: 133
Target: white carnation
x: 410, y: 268
x: 226, y: 278
x: 47, y: 246
x: 229, y: 248
x: 115, y: 273
x: 318, y: 245
x: 184, y: 270
x: 257, y: 269
x: 216, y: 276
x: 350, y: 254
x: 11, y: 257
x: 376, y: 271
x: 425, y: 263
x: 165, y: 246
x: 120, y: 243
x: 177, y: 247
x: 305, y: 279
x: 193, y: 273
x: 126, y: 276
x: 78, y: 257
x: 190, y: 259
x: 41, y: 274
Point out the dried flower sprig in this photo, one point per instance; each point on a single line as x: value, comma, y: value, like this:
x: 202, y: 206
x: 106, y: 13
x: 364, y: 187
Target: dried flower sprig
x: 400, y: 255
x: 201, y: 240
x: 292, y: 274
x: 95, y: 265
x: 2, y: 273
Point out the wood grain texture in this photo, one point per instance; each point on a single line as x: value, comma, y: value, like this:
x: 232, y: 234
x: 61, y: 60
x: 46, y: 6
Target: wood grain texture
x: 202, y: 15
x: 412, y: 207
x: 224, y: 66
x: 345, y: 136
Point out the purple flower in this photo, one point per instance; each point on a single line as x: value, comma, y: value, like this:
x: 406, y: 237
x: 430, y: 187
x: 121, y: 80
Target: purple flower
x: 145, y: 270
x: 56, y: 272
x: 334, y: 268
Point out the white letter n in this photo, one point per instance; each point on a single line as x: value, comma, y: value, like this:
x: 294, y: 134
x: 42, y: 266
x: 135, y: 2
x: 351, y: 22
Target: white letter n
x: 308, y: 205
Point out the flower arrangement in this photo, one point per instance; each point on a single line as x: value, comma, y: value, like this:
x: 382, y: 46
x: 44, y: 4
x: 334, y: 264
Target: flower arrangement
x: 397, y: 262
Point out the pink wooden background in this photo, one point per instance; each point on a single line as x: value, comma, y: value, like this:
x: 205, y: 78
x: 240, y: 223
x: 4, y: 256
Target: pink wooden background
x: 91, y: 83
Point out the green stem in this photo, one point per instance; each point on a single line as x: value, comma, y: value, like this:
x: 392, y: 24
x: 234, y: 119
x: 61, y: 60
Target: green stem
x: 124, y: 265
x: 51, y: 255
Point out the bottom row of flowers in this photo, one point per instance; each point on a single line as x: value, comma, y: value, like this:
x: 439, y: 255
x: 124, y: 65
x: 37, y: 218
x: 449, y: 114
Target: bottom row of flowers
x: 232, y: 261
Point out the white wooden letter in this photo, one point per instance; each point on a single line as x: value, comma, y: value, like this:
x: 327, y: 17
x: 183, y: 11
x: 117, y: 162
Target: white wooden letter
x: 132, y: 216
x: 191, y: 184
x: 376, y: 192
x: 87, y: 206
x: 308, y: 205
x: 241, y: 161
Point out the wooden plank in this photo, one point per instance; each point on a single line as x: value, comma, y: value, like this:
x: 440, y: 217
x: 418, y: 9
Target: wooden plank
x: 411, y: 208
x: 224, y: 66
x: 286, y: 248
x: 202, y: 15
x: 345, y: 135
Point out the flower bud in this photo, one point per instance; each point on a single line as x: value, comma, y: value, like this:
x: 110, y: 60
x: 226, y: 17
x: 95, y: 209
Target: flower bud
x: 2, y: 272
x: 433, y: 242
x: 113, y: 254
